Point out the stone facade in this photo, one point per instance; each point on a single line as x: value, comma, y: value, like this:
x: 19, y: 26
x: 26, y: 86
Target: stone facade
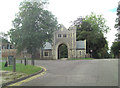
x: 67, y: 37
x: 76, y: 49
x: 63, y: 36
x: 13, y: 52
x: 46, y: 54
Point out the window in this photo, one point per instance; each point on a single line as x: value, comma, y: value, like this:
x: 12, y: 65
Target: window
x: 46, y: 53
x: 59, y: 35
x: 11, y: 47
x: 64, y: 35
x: 3, y: 46
x: 80, y: 53
x: 69, y: 35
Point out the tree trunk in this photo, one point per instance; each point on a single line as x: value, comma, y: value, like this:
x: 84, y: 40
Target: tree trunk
x: 33, y: 57
x: 32, y: 61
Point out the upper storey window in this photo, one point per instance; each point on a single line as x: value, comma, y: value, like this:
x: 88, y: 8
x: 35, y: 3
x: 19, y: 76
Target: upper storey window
x: 59, y: 35
x: 64, y: 35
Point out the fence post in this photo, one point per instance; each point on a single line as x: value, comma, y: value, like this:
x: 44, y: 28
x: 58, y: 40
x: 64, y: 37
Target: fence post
x: 14, y: 65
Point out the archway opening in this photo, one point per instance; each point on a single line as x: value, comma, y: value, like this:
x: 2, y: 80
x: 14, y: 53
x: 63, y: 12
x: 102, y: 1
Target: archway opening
x: 62, y: 51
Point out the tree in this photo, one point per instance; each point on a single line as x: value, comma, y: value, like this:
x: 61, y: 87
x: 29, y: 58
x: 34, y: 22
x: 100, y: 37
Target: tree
x: 3, y: 37
x: 33, y: 26
x: 117, y: 23
x: 117, y: 19
x: 115, y: 49
x: 92, y: 28
x: 96, y: 22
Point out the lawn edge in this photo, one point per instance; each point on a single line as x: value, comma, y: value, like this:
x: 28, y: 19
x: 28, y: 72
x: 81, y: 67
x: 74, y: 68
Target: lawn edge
x: 23, y: 78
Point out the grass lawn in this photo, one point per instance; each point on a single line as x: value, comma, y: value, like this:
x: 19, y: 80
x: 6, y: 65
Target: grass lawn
x: 28, y: 69
x: 81, y: 59
x: 16, y: 58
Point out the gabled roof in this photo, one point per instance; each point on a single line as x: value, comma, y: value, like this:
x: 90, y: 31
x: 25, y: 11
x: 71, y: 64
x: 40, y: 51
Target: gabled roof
x: 80, y: 45
x: 62, y: 29
x: 47, y: 45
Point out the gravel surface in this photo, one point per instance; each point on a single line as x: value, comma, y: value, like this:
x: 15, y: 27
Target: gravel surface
x: 8, y: 76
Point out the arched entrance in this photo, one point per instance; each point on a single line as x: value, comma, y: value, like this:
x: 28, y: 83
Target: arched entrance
x: 62, y: 51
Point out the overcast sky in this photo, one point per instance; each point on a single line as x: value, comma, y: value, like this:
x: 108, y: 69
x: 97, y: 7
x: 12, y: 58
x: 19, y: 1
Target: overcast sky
x: 65, y: 11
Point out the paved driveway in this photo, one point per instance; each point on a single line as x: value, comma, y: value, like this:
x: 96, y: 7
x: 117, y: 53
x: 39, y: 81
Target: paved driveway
x: 77, y: 73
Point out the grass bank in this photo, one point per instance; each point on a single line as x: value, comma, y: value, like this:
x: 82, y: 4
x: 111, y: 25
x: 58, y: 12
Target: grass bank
x: 81, y: 59
x: 16, y: 58
x: 28, y: 69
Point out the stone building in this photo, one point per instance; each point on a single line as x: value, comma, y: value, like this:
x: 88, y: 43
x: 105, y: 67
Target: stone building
x: 8, y: 49
x: 63, y: 36
x: 51, y: 51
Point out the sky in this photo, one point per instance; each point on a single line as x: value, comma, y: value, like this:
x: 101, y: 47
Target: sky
x: 66, y: 11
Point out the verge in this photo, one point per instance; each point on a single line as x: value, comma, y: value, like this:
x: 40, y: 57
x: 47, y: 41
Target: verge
x: 23, y: 78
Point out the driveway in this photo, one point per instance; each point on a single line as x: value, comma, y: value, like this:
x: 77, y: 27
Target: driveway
x: 98, y: 72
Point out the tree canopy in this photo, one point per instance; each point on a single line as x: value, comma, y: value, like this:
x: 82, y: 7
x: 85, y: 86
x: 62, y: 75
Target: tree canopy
x: 117, y: 23
x: 32, y: 26
x: 3, y: 37
x: 117, y: 19
x: 115, y: 49
x: 92, y: 28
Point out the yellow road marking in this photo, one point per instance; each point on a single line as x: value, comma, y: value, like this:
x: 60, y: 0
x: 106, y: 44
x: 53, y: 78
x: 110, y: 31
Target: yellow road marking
x: 29, y: 79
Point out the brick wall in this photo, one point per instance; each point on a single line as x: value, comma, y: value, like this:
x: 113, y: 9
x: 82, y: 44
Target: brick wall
x: 13, y: 52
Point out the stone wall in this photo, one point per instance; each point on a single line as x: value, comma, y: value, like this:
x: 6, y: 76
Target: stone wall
x: 13, y: 52
x: 44, y: 57
x: 80, y: 53
x: 69, y: 41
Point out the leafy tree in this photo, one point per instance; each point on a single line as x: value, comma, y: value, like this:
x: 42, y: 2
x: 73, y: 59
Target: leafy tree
x: 92, y: 22
x: 3, y: 37
x: 117, y: 23
x: 98, y: 23
x: 4, y: 41
x: 33, y: 26
x: 92, y: 28
x: 115, y: 49
x: 118, y: 19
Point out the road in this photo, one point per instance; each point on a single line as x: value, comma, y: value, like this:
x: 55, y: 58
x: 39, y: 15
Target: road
x: 100, y: 72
